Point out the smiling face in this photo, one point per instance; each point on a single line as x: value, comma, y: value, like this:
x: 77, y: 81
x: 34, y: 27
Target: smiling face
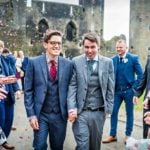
x: 53, y: 46
x: 90, y: 48
x: 121, y: 47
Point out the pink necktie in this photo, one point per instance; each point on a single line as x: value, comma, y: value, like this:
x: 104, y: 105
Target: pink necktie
x: 53, y: 70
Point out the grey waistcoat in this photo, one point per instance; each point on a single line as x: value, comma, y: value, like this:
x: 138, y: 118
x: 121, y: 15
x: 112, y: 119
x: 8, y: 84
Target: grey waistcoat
x: 94, y: 98
x: 51, y: 102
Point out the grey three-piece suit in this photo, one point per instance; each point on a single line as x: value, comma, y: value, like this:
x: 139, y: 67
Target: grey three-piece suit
x: 91, y: 93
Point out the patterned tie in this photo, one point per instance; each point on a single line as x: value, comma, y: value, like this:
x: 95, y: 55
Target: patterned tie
x: 90, y: 65
x: 53, y: 70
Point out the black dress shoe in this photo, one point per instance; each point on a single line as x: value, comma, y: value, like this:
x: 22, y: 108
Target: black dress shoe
x: 8, y: 146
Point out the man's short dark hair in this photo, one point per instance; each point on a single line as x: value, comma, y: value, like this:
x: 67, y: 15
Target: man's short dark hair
x: 91, y: 36
x: 50, y: 33
x: 6, y: 51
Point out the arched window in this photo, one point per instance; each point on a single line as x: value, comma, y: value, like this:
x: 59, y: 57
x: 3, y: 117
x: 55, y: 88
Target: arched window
x: 71, y: 31
x: 42, y: 27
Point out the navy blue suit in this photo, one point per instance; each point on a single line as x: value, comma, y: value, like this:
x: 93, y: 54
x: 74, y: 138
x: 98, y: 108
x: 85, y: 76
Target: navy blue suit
x: 7, y: 106
x: 125, y: 83
x: 37, y: 88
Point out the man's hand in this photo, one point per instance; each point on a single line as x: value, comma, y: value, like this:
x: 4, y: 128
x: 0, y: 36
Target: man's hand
x: 34, y: 123
x: 3, y: 94
x: 72, y: 115
x: 135, y: 100
x: 18, y: 94
x: 145, y: 104
x: 8, y: 79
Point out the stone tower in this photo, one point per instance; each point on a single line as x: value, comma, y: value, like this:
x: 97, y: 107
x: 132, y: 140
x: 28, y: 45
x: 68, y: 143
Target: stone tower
x: 140, y: 28
x: 93, y: 15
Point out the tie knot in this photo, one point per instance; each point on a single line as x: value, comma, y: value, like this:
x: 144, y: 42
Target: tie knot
x: 53, y: 62
x: 121, y: 59
x: 91, y: 62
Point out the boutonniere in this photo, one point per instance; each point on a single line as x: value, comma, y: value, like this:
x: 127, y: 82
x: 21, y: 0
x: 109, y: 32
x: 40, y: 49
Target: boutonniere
x: 125, y: 60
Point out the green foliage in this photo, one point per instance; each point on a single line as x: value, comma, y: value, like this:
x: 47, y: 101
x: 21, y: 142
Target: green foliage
x: 77, y: 12
x: 36, y: 49
x: 13, y: 39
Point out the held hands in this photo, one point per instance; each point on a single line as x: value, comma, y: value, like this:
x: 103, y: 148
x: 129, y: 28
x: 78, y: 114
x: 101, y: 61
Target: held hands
x: 18, y: 94
x: 34, y: 123
x: 72, y: 115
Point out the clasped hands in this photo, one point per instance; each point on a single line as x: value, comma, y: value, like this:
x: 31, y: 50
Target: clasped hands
x: 72, y: 115
x: 34, y: 123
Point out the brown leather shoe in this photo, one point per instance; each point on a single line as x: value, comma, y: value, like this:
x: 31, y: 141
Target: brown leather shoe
x: 8, y: 146
x: 110, y: 139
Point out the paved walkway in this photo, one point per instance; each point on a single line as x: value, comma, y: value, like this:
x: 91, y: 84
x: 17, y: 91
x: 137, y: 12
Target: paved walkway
x: 22, y: 136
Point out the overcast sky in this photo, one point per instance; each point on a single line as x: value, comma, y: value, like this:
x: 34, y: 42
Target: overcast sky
x: 116, y: 18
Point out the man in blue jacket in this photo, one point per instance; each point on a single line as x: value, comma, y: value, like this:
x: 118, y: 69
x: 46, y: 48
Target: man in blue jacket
x: 128, y: 73
x: 46, y: 86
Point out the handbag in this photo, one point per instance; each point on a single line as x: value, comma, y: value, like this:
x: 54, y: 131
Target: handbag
x: 2, y: 136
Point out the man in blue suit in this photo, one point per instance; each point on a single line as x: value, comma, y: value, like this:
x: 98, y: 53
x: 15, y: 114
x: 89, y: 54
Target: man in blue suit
x: 46, y: 86
x: 128, y: 73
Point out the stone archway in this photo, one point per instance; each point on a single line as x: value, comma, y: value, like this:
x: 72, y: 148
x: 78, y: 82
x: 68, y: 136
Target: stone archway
x: 42, y: 27
x: 71, y: 31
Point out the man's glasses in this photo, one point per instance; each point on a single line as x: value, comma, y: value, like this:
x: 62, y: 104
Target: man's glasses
x: 54, y: 43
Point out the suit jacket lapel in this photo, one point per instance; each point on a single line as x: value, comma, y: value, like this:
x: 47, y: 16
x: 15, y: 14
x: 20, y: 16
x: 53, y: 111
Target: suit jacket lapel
x: 115, y: 64
x: 43, y: 64
x: 84, y: 66
x: 61, y: 66
x: 100, y: 69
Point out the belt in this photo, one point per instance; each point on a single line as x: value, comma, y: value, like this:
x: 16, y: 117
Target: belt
x: 97, y: 109
x: 123, y: 88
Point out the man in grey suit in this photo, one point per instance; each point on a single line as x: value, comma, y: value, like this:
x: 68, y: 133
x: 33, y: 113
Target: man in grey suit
x: 90, y: 95
x: 46, y: 86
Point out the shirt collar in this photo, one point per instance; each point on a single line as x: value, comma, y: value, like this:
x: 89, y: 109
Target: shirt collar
x: 95, y: 58
x: 48, y: 59
x: 124, y: 56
